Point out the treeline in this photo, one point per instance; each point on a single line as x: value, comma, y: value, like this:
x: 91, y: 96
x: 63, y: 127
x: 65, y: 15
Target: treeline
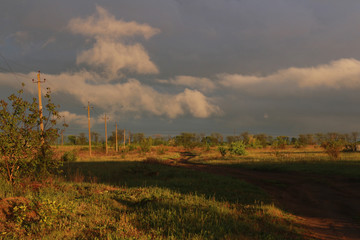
x: 190, y: 140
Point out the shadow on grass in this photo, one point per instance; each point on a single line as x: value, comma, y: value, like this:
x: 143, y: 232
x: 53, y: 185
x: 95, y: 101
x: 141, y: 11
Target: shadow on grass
x: 178, y: 203
x: 343, y: 168
x: 186, y: 181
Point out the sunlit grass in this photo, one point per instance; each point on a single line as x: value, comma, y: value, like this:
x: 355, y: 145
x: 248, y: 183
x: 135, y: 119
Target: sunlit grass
x: 67, y: 210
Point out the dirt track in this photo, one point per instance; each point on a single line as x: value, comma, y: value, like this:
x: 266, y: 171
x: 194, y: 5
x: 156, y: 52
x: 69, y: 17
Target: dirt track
x: 328, y: 207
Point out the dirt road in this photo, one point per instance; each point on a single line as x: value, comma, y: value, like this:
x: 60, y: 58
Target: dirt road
x: 327, y: 207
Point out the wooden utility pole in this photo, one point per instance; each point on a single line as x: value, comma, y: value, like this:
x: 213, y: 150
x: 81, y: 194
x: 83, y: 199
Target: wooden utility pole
x: 116, y: 138
x: 106, y: 146
x: 124, y: 138
x: 129, y: 137
x: 88, y: 108
x: 62, y: 133
x: 40, y: 104
x: 62, y: 137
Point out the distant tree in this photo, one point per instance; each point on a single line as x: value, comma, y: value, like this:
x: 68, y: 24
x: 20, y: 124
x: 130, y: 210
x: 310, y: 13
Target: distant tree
x: 138, y: 137
x: 245, y: 137
x: 302, y: 141
x: 158, y: 139
x: 262, y: 138
x: 319, y: 138
x: 231, y: 139
x: 351, y: 141
x: 280, y: 142
x: 216, y: 138
x: 95, y: 137
x: 72, y: 139
x: 81, y: 139
x: 187, y: 140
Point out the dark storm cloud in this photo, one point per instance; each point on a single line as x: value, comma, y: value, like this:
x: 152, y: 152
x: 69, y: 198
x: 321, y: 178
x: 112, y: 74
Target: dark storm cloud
x: 209, y: 49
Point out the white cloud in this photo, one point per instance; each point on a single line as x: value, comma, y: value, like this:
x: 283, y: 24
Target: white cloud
x: 343, y: 73
x: 203, y: 84
x: 103, y: 24
x: 110, y: 51
x: 116, y: 56
x: 73, y: 118
x: 128, y: 97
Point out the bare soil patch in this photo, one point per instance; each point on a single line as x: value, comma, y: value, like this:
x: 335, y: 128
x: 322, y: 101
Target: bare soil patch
x: 327, y: 207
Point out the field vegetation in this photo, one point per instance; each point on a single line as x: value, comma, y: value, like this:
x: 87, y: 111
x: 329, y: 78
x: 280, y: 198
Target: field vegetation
x: 182, y: 187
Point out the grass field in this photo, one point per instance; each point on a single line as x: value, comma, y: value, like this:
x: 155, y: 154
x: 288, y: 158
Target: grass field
x: 132, y: 195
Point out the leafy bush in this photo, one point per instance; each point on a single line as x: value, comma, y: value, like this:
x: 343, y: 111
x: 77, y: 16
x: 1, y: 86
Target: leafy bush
x: 132, y: 147
x: 145, y: 145
x: 237, y: 148
x: 69, y: 156
x: 279, y: 143
x: 223, y: 150
x: 333, y: 147
x: 161, y: 150
x: 24, y: 149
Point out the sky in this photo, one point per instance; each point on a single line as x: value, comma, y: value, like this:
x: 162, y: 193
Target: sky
x: 280, y: 67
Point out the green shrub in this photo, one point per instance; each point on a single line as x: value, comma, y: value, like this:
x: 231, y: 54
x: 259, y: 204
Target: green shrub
x: 333, y: 147
x: 69, y: 156
x: 145, y: 145
x: 161, y: 150
x: 26, y: 150
x: 132, y: 147
x: 223, y: 150
x: 237, y: 148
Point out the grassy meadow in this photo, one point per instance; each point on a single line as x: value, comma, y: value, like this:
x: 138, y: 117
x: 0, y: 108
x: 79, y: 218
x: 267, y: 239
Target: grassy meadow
x: 136, y: 195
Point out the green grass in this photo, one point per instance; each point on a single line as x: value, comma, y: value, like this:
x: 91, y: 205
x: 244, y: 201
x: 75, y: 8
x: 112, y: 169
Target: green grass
x: 312, y: 161
x: 135, y: 200
x: 140, y: 174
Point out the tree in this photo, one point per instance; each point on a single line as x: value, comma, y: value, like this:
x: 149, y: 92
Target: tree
x: 216, y: 138
x: 262, y: 138
x: 25, y: 149
x: 188, y: 140
x: 72, y: 139
x: 137, y: 137
x: 81, y: 139
x: 95, y: 137
x: 245, y: 137
x: 333, y: 145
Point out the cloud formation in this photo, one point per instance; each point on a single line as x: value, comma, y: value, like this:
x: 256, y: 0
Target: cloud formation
x: 129, y: 97
x: 110, y: 50
x: 203, y: 84
x: 103, y: 24
x: 343, y: 73
x: 74, y: 118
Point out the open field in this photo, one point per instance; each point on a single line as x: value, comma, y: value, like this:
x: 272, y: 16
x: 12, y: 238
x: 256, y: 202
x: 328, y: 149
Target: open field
x: 176, y: 193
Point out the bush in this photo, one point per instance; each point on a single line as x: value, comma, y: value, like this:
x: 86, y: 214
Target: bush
x: 145, y: 145
x: 24, y: 149
x: 223, y: 150
x: 161, y: 150
x: 69, y: 156
x: 333, y: 147
x: 132, y: 147
x: 237, y: 148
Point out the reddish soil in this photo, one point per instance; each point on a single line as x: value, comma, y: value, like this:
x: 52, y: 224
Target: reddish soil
x: 328, y: 208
